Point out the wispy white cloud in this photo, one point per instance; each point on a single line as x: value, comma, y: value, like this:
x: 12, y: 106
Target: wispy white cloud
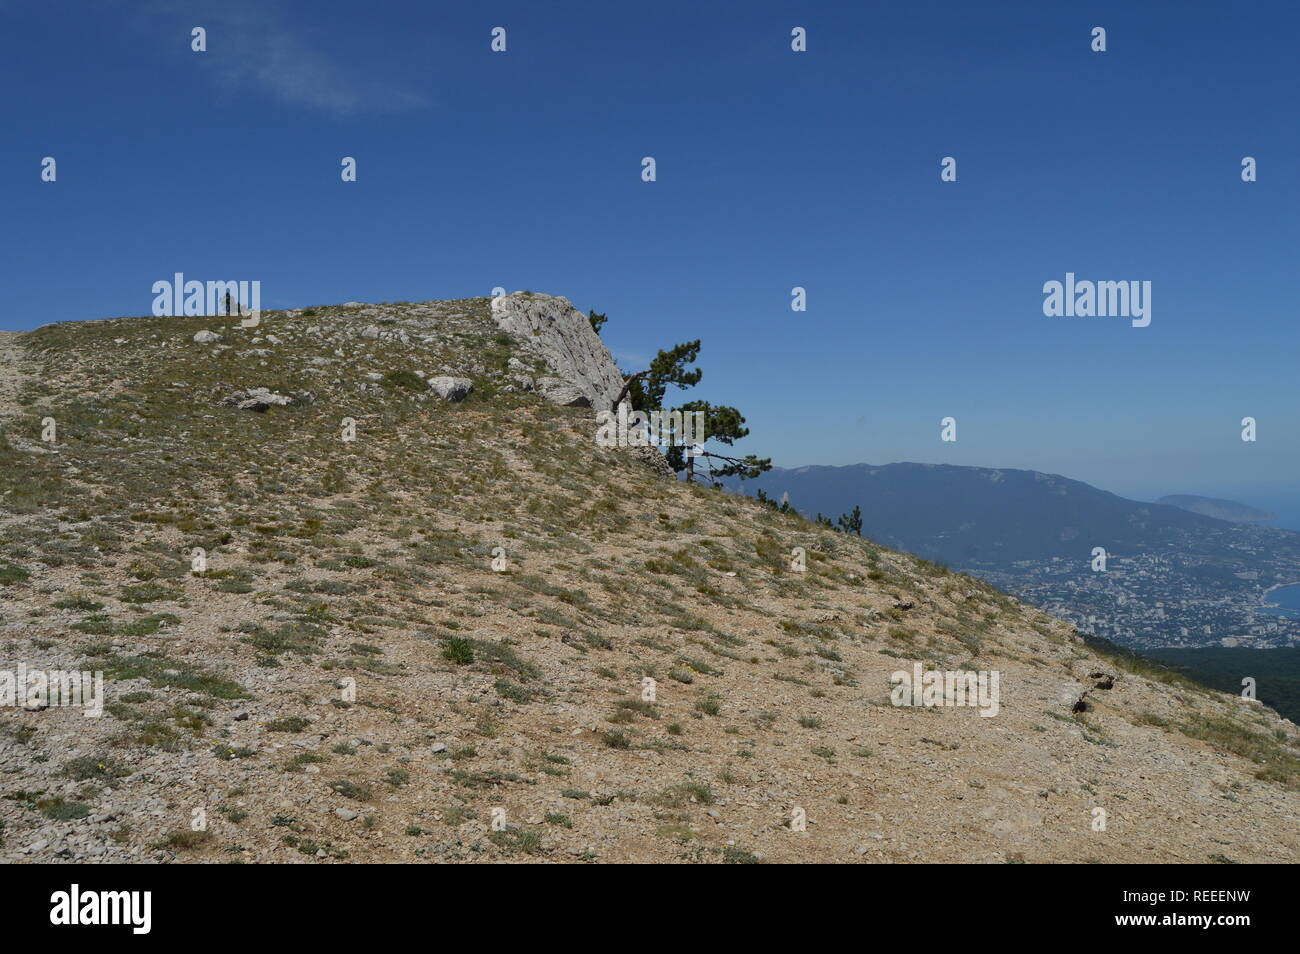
x: 256, y: 47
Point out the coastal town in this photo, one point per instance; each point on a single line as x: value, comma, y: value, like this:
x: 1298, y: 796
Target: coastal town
x: 1198, y: 591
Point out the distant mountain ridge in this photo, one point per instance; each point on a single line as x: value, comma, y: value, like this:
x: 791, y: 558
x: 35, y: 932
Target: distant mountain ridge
x: 980, y: 515
x: 1171, y: 577
x: 1229, y: 510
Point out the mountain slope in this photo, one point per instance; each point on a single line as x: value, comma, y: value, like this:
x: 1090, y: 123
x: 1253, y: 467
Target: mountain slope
x: 368, y: 563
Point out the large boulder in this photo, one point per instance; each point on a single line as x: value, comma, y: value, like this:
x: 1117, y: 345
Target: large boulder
x: 550, y: 328
x: 450, y: 388
x: 561, y: 392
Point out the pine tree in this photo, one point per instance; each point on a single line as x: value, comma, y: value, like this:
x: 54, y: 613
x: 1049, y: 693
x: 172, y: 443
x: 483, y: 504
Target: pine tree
x: 646, y: 390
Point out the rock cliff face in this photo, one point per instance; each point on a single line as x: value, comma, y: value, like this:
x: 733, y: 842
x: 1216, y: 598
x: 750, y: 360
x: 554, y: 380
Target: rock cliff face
x: 553, y: 330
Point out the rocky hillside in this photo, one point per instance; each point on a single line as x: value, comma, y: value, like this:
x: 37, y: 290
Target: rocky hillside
x: 427, y: 600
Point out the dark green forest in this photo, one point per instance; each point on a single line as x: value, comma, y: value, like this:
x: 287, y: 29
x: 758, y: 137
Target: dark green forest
x: 1276, y: 672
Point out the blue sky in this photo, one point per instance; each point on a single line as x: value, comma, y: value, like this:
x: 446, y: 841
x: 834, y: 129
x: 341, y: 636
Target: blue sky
x: 775, y: 169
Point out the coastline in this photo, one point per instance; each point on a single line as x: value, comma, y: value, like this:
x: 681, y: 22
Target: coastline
x: 1288, y: 612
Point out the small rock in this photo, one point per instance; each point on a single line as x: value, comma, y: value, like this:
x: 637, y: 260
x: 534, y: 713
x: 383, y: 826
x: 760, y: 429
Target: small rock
x: 260, y: 399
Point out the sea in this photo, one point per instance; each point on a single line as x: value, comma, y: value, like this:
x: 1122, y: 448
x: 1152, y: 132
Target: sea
x: 1287, y: 600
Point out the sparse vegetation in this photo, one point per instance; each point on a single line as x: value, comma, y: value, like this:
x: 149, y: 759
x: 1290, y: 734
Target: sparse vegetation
x: 349, y: 677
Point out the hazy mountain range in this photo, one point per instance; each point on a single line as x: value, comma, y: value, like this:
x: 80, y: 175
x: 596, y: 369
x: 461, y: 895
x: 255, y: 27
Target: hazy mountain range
x: 1173, y: 576
x: 1228, y: 510
x: 979, y: 515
